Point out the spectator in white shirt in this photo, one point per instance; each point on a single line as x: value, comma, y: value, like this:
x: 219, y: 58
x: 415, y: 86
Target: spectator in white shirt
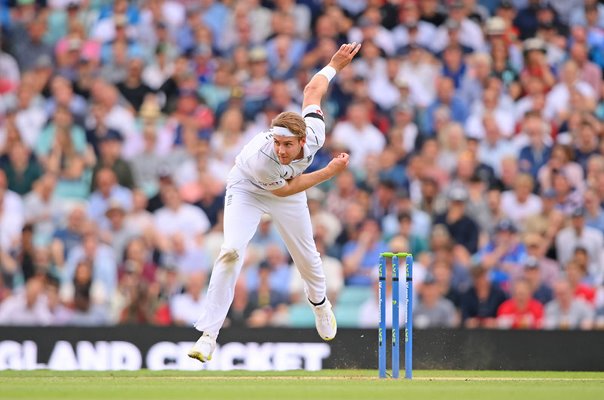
x: 181, y: 218
x: 27, y: 307
x: 580, y: 235
x: 420, y: 72
x: 558, y: 99
x: 186, y: 307
x: 470, y: 33
x: 359, y: 135
x: 520, y: 203
x: 493, y: 148
x: 490, y: 105
x: 11, y: 215
x: 411, y: 29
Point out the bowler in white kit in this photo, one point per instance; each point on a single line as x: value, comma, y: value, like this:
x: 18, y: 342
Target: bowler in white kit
x: 268, y: 178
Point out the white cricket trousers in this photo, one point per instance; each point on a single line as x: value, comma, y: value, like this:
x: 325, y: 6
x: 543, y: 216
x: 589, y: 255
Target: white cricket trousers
x: 243, y: 207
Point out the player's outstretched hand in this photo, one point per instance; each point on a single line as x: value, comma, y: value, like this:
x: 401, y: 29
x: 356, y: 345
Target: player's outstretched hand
x: 344, y: 55
x: 339, y: 163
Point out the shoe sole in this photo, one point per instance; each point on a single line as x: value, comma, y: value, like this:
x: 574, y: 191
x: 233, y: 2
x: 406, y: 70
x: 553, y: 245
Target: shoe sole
x: 198, y: 356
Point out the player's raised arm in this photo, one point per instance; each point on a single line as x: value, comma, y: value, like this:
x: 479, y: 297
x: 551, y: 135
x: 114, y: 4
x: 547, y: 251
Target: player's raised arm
x: 317, y: 87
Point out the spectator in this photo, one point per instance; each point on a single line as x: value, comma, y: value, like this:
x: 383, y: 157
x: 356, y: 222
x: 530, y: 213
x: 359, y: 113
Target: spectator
x: 540, y: 290
x: 480, y: 303
x: 185, y: 307
x: 567, y: 312
x: 11, y: 216
x: 95, y: 261
x: 445, y: 97
x: 22, y: 169
x: 558, y: 99
x: 462, y: 228
x: 40, y: 208
x: 536, y: 250
x: 132, y: 87
x: 578, y: 234
x: 118, y: 234
x: 521, y: 203
x: 521, y: 311
x: 433, y: 310
x: 27, y: 307
x: 107, y: 189
x: 86, y: 299
x: 494, y: 148
x: 110, y: 150
x: 504, y: 254
x: 357, y: 134
x: 29, y: 48
x: 576, y: 274
x: 360, y: 254
x: 470, y: 33
x: 180, y: 218
x: 536, y: 153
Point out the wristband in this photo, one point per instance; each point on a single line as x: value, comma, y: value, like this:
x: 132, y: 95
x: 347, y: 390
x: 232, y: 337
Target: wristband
x: 329, y: 72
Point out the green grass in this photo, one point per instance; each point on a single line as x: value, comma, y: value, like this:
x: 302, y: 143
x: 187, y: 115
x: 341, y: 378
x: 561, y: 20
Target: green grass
x: 332, y: 385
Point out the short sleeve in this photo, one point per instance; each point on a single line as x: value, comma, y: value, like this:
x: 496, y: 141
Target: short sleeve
x: 315, y: 127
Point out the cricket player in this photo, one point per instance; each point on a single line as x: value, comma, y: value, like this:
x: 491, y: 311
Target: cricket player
x: 268, y: 178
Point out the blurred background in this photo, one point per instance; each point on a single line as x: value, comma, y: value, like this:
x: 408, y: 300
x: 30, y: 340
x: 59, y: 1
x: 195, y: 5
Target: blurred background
x: 474, y: 129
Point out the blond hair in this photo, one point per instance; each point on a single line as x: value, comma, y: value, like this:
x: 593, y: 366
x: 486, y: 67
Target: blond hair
x: 292, y: 121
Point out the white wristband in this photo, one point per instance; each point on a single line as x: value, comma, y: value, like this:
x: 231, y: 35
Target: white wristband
x: 329, y: 72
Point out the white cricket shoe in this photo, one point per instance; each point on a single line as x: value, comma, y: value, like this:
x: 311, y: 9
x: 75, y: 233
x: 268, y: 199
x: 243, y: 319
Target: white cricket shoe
x: 325, y: 320
x: 204, y: 347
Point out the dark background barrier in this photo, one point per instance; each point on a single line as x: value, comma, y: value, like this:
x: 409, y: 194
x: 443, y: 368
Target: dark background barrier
x: 261, y: 349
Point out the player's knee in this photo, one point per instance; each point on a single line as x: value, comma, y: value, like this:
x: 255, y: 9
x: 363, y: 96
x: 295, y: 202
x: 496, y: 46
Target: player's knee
x: 228, y: 256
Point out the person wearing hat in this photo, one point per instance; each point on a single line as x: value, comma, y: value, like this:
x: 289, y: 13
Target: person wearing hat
x: 268, y: 177
x: 110, y: 156
x: 536, y: 64
x: 542, y: 292
x: 117, y: 234
x: 504, y: 253
x: 463, y: 228
x: 580, y: 235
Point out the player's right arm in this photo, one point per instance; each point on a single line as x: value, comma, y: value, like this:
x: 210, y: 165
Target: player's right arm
x: 317, y: 87
x: 306, y: 181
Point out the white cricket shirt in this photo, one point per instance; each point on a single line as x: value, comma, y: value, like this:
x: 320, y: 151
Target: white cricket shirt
x: 258, y: 163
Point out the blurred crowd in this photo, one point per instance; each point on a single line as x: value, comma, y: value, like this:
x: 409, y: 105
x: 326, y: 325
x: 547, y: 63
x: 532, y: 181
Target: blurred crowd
x: 474, y: 129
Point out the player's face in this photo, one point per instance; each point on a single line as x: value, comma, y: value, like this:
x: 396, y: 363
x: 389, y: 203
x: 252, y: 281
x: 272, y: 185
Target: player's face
x: 288, y: 148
